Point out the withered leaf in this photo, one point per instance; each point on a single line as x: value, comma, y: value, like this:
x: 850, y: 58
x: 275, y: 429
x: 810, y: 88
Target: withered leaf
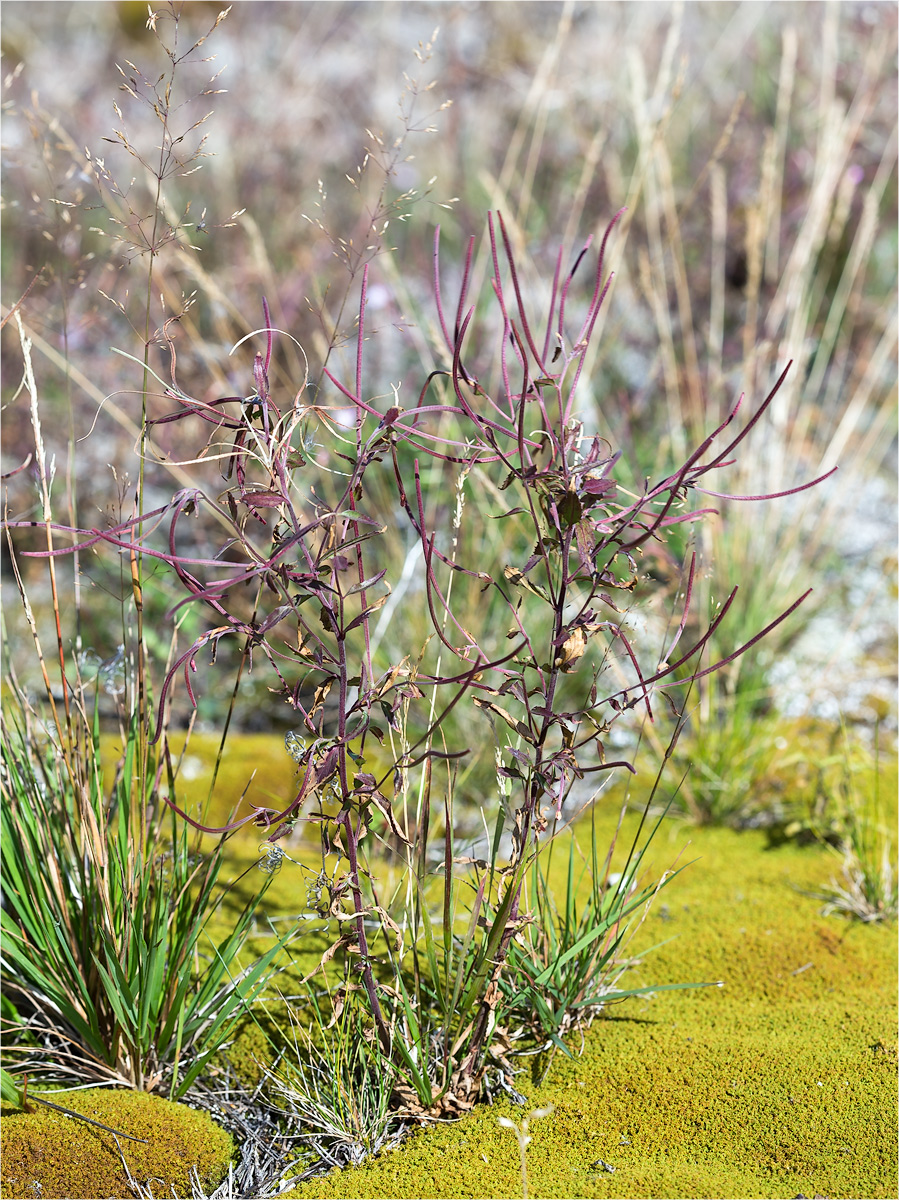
x: 327, y: 620
x: 572, y: 649
x: 369, y: 794
x: 372, y: 608
x: 345, y: 939
x: 583, y: 532
x: 511, y: 721
x: 519, y: 579
x: 321, y: 694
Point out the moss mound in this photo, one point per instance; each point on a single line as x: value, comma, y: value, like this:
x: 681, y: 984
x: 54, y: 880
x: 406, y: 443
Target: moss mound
x: 50, y: 1155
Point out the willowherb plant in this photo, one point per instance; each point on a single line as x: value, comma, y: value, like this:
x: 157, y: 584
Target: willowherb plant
x: 299, y: 576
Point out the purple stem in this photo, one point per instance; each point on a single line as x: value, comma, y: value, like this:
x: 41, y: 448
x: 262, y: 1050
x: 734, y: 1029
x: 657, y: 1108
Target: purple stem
x: 267, y: 317
x: 437, y: 292
x: 687, y: 599
x: 552, y: 302
x: 510, y: 258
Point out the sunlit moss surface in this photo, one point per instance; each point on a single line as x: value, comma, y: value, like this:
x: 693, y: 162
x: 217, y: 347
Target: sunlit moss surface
x: 50, y: 1155
x: 779, y: 1083
x: 255, y: 770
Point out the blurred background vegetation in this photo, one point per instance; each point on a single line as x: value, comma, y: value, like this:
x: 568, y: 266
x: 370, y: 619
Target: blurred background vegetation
x: 754, y: 147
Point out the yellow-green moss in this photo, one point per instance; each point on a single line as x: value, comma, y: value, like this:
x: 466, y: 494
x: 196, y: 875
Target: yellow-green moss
x: 249, y: 1049
x: 254, y: 766
x: 782, y: 1082
x: 50, y: 1155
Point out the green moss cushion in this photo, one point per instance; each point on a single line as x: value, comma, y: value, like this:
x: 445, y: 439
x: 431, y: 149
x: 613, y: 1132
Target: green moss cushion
x: 50, y: 1155
x: 780, y: 1083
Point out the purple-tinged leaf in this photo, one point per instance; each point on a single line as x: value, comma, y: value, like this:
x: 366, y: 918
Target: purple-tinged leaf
x: 267, y: 318
x: 367, y: 583
x: 275, y: 618
x: 262, y: 498
x: 768, y: 495
x: 554, y: 291
x: 437, y: 291
x: 747, y: 645
x: 751, y: 422
x: 687, y: 599
x: 599, y: 487
x: 510, y: 259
